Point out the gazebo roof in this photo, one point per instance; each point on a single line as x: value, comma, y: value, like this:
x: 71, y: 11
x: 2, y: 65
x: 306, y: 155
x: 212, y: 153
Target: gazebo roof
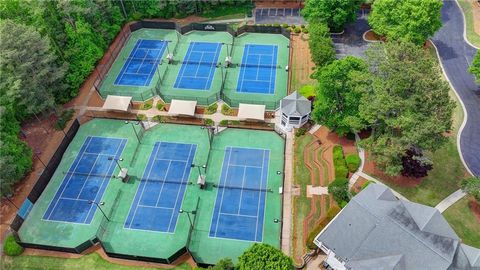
x: 295, y: 105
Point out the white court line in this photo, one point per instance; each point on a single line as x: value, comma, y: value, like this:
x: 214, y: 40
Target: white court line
x: 180, y: 188
x: 223, y: 191
x: 259, y: 197
x: 156, y: 207
x: 244, y: 71
x: 238, y: 215
x: 241, y: 191
x: 212, y: 66
x: 163, y: 182
x: 143, y: 188
x: 108, y: 178
x: 68, y: 181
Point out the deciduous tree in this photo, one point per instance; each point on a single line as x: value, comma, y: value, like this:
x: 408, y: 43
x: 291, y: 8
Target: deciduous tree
x: 335, y: 13
x: 321, y: 44
x: 266, y: 257
x: 407, y: 20
x: 475, y: 67
x: 338, y: 95
x: 406, y: 104
x: 472, y: 186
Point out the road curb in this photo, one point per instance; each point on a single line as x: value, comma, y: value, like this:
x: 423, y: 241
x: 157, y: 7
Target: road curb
x: 465, y: 113
x: 465, y: 27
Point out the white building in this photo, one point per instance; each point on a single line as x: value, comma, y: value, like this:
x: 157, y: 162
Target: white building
x: 295, y: 110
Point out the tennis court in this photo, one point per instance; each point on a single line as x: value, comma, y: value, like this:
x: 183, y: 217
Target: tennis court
x: 160, y: 194
x: 142, y: 63
x: 240, y: 202
x: 198, y: 67
x: 85, y: 181
x: 258, y: 69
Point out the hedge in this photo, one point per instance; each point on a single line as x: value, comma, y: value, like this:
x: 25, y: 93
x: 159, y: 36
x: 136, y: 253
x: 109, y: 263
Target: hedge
x: 341, y: 170
x: 339, y: 190
x: 332, y: 212
x: 212, y: 109
x: 11, y: 247
x: 353, y: 162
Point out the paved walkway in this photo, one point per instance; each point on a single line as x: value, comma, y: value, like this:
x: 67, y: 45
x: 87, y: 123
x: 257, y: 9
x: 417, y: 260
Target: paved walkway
x: 311, y: 190
x: 450, y: 200
x: 287, y: 196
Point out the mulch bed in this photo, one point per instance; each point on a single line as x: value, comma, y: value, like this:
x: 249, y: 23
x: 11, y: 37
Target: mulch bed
x: 475, y: 207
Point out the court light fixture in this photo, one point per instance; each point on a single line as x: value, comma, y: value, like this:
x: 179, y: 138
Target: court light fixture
x: 116, y: 161
x: 276, y: 220
x: 279, y: 172
x: 98, y: 206
x: 181, y: 211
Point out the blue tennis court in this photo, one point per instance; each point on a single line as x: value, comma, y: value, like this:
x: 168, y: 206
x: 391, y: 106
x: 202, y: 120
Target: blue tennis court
x: 240, y: 203
x: 198, y: 67
x: 141, y: 64
x: 86, y: 180
x: 160, y: 193
x: 258, y: 69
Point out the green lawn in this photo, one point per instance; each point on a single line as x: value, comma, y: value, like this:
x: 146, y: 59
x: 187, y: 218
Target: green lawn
x: 301, y: 203
x: 464, y: 222
x: 87, y: 262
x: 472, y: 36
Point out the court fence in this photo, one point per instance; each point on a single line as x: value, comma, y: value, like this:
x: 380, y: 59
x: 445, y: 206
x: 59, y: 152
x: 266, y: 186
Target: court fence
x: 270, y: 105
x: 40, y: 186
x: 263, y: 29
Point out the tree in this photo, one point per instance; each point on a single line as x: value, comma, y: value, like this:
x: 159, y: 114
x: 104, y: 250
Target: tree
x: 266, y: 257
x: 15, y: 155
x: 339, y: 190
x: 406, y: 104
x: 335, y: 13
x: 472, y: 186
x: 223, y: 264
x: 321, y: 45
x: 338, y: 95
x: 407, y: 20
x: 414, y: 164
x: 30, y: 73
x: 475, y: 67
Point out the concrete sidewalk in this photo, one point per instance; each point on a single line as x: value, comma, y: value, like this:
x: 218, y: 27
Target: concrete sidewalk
x: 450, y: 200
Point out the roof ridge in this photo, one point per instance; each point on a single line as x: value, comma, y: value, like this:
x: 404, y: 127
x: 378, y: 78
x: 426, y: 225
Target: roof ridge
x: 420, y: 240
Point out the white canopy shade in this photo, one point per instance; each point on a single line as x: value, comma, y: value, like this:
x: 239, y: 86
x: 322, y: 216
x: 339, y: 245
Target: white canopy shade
x: 182, y: 107
x: 117, y: 103
x: 250, y: 111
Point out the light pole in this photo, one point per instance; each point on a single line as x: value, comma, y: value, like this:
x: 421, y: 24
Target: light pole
x: 134, y: 130
x: 198, y: 167
x: 181, y: 211
x: 98, y: 206
x: 276, y: 220
x: 211, y: 132
x: 116, y: 161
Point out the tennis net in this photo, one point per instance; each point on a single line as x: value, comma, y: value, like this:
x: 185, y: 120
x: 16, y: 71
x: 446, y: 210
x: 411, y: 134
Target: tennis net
x: 199, y: 63
x: 166, y: 181
x: 243, y: 188
x: 143, y: 60
x: 88, y: 174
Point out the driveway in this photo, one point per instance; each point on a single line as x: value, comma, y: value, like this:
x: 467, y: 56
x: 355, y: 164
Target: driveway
x: 351, y: 42
x: 456, y: 56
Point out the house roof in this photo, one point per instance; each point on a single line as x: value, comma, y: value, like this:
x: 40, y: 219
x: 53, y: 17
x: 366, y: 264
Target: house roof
x: 295, y: 105
x: 376, y: 230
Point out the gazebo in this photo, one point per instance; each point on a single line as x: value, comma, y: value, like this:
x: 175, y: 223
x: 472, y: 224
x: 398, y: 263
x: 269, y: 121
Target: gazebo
x: 295, y: 110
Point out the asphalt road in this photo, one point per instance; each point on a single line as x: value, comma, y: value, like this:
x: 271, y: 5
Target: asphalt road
x: 456, y: 55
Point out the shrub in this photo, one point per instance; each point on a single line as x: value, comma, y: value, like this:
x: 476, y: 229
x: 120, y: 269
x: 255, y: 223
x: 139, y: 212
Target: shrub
x: 160, y: 106
x: 300, y: 132
x: 293, y: 26
x: 276, y: 24
x: 341, y: 172
x: 212, y: 108
x: 147, y: 105
x: 208, y: 122
x: 297, y: 30
x: 141, y: 117
x: 339, y: 190
x: 63, y: 119
x: 302, y: 26
x: 353, y: 162
x: 305, y: 30
x: 235, y: 122
x: 226, y: 110
x: 307, y: 91
x: 11, y: 247
x: 224, y: 123
x: 343, y: 204
x: 159, y: 119
x: 284, y: 25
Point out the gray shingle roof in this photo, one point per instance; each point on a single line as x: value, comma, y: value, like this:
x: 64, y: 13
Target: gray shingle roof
x: 378, y: 231
x: 295, y: 105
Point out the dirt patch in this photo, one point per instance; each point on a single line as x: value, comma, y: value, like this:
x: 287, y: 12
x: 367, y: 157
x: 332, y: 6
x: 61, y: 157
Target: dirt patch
x: 301, y: 62
x: 330, y: 138
x: 475, y: 207
x: 372, y: 36
x: 371, y: 168
x: 476, y: 16
x: 357, y: 186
